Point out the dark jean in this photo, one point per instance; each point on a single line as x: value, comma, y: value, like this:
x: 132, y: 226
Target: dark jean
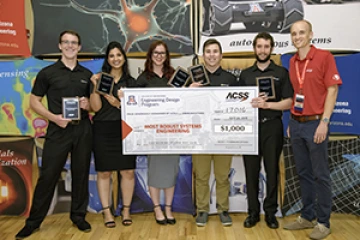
x: 312, y: 166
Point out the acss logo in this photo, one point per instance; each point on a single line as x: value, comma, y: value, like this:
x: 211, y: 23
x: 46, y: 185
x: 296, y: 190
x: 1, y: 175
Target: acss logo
x: 242, y: 96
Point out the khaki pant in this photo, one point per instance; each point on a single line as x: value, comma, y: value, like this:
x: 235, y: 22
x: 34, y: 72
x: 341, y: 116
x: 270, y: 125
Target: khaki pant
x: 202, y: 168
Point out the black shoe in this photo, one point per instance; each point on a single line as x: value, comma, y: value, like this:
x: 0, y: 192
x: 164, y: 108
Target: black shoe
x: 271, y: 221
x: 170, y: 221
x: 251, y: 221
x: 83, y: 225
x: 26, y: 231
x: 162, y: 221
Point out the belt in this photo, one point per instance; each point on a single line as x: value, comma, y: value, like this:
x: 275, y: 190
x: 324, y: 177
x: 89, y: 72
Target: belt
x: 306, y: 118
x: 75, y: 122
x: 265, y: 119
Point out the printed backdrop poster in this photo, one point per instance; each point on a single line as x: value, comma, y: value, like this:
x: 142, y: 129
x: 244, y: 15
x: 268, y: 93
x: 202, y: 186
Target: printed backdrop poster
x: 236, y: 23
x: 344, y: 162
x: 100, y: 21
x: 13, y: 36
x: 16, y: 176
x: 17, y: 79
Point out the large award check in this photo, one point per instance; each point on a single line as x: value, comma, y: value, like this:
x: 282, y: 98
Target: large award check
x: 218, y: 120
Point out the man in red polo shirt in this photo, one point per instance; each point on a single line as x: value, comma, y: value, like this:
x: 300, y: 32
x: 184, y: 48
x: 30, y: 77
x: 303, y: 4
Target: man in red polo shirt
x: 315, y: 80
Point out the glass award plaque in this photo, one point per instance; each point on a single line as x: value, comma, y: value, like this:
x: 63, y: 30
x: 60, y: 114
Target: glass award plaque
x: 179, y: 78
x: 266, y: 85
x: 71, y: 108
x: 105, y: 84
x: 199, y: 75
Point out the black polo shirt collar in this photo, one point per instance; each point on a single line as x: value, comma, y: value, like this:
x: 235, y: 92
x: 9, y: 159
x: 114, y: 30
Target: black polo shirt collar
x: 271, y: 67
x: 60, y: 65
x: 217, y: 72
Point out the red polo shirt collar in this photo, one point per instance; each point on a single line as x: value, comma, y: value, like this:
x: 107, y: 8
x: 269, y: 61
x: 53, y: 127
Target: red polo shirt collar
x: 309, y: 56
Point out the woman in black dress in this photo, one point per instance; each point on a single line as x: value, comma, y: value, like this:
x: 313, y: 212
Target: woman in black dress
x: 162, y: 169
x: 107, y: 135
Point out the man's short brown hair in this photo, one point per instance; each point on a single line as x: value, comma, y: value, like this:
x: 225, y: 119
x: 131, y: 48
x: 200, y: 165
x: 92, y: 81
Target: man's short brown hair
x: 70, y: 32
x: 266, y: 36
x: 212, y: 41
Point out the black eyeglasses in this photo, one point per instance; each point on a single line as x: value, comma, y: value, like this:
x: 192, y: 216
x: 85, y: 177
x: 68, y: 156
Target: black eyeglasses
x: 159, y: 54
x: 67, y: 42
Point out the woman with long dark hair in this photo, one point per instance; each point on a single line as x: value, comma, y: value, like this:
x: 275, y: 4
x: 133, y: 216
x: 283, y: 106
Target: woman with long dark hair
x: 162, y: 169
x: 107, y: 135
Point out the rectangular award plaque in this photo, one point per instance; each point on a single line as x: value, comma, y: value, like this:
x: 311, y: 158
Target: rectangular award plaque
x: 71, y: 108
x: 105, y: 84
x: 179, y: 78
x: 266, y: 85
x: 199, y: 75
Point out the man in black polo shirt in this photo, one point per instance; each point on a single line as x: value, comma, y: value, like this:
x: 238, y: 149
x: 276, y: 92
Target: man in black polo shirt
x: 65, y: 78
x: 212, y: 54
x: 271, y: 101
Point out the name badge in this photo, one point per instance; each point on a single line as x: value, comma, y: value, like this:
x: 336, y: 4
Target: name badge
x: 299, y: 103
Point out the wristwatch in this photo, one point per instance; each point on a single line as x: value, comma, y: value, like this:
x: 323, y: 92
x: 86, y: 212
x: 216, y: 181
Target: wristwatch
x: 325, y: 120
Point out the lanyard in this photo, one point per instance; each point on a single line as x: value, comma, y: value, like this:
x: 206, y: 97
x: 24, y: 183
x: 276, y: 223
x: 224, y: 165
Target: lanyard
x: 301, y: 78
